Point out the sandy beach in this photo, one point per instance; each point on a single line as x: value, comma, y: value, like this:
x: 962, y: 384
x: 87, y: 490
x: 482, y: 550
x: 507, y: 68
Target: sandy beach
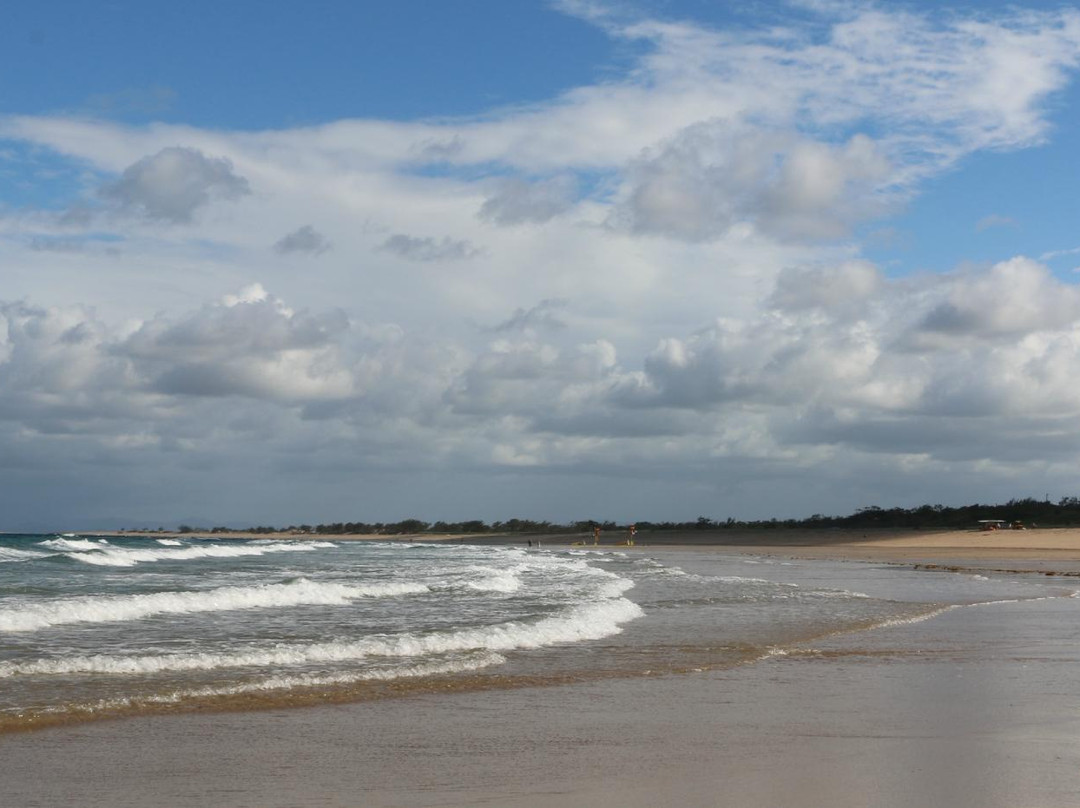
x: 1053, y: 549
x: 974, y: 708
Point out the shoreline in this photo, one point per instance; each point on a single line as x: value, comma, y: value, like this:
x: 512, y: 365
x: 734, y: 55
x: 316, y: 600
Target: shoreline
x: 1042, y: 550
x: 964, y: 710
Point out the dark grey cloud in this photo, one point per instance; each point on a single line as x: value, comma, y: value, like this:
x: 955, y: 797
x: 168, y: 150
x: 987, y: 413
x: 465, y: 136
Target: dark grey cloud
x: 615, y: 423
x: 306, y: 240
x: 960, y: 438
x: 519, y: 202
x: 544, y: 315
x: 171, y: 185
x: 415, y: 248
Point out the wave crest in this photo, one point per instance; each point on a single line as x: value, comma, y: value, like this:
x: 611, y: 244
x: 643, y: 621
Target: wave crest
x: 108, y: 609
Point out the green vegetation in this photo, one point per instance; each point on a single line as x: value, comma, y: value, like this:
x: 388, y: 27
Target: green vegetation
x: 1029, y: 511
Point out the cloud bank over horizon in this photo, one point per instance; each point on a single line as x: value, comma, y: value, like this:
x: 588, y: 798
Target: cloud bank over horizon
x: 652, y: 296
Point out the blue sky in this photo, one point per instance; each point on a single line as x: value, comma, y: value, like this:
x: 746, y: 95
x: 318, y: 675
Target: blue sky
x: 268, y: 262
x: 252, y: 65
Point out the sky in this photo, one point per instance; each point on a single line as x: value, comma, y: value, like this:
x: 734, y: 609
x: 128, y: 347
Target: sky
x: 279, y: 263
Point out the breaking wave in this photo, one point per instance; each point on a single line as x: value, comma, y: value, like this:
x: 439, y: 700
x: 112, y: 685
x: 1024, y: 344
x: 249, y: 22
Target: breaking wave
x: 104, y: 554
x: 107, y: 609
x: 590, y: 621
x: 15, y: 554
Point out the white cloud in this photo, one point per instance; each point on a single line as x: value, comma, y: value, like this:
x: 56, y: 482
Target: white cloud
x: 1048, y: 256
x: 847, y: 287
x: 690, y: 232
x: 250, y: 345
x: 710, y: 178
x: 824, y: 378
x: 1014, y: 297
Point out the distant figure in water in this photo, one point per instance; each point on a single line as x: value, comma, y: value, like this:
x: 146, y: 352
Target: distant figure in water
x: 633, y: 530
x: 596, y: 535
x: 530, y: 542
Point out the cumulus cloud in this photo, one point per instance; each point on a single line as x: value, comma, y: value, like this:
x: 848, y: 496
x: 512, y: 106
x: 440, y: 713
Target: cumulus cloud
x: 305, y: 240
x: 516, y: 201
x: 47, y: 352
x: 1014, y: 297
x: 710, y: 178
x: 826, y: 370
x: 416, y: 248
x: 996, y: 349
x: 524, y: 378
x: 171, y: 185
x: 251, y: 344
x: 692, y: 209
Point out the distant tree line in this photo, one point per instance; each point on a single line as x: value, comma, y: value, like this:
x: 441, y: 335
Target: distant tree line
x: 1065, y: 512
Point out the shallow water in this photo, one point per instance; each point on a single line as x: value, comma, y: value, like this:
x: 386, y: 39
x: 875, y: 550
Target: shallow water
x: 965, y: 696
x: 93, y: 627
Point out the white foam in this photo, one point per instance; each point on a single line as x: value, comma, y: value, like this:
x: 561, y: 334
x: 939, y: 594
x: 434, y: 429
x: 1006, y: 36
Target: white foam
x: 113, y: 556
x: 73, y: 545
x: 834, y: 593
x: 16, y: 554
x: 495, y: 580
x: 919, y: 618
x: 35, y: 616
x: 275, y: 683
x: 588, y: 621
x: 170, y: 542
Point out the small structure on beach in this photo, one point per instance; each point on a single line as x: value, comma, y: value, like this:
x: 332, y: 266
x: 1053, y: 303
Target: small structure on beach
x: 1000, y: 524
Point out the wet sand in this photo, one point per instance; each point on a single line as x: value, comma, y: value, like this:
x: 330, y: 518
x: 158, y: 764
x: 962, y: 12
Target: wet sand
x: 972, y: 709
x: 862, y: 723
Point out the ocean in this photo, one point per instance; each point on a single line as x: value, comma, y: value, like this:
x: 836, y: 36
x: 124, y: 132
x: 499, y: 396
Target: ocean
x: 94, y: 627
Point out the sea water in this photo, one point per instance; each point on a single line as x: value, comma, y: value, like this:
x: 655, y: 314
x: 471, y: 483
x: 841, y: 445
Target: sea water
x: 94, y: 626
